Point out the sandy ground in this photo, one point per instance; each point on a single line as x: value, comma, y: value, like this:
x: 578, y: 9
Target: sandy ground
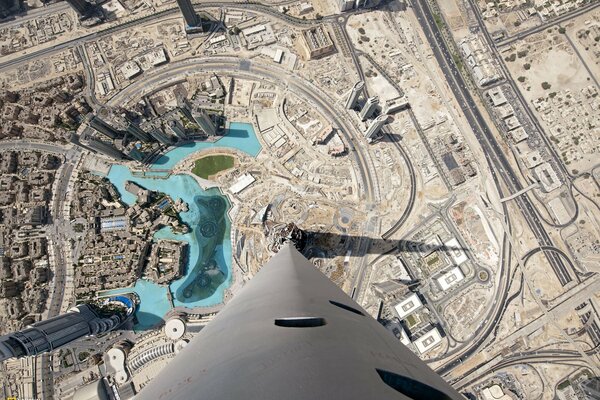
x: 587, y: 47
x: 455, y: 19
x: 552, y: 60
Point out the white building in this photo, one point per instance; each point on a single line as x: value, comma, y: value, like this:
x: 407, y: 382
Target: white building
x: 456, y: 251
x: 428, y: 341
x: 409, y: 305
x: 242, y: 183
x: 130, y: 69
x: 450, y: 278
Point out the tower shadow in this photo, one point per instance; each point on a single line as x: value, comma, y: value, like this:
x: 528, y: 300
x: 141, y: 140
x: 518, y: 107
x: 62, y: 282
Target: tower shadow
x: 331, y: 245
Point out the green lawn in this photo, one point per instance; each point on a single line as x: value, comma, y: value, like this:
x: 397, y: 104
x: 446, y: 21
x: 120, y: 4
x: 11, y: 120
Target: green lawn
x: 210, y: 165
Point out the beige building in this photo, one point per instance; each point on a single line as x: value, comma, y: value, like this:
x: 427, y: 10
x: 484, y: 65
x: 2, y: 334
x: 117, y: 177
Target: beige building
x: 316, y: 43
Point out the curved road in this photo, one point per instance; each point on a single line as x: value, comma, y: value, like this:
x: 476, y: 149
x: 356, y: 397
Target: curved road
x: 256, y: 70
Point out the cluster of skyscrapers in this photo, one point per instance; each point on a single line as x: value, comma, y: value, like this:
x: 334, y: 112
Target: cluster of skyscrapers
x: 193, y: 22
x: 54, y: 333
x: 367, y: 111
x: 123, y: 139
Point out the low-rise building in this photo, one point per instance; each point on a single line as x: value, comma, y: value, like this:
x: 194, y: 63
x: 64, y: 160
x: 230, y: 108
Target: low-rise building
x: 428, y: 341
x: 407, y: 306
x: 450, y: 278
x: 317, y: 43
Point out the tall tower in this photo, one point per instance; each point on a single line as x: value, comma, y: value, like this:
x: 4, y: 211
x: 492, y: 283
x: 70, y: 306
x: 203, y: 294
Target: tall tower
x: 82, y: 7
x: 136, y: 154
x: 205, y: 122
x: 177, y: 128
x: 104, y: 128
x: 51, y: 334
x: 369, y: 108
x: 376, y: 126
x: 138, y: 132
x: 104, y: 148
x: 160, y: 136
x: 292, y: 334
x: 354, y: 95
x: 189, y: 14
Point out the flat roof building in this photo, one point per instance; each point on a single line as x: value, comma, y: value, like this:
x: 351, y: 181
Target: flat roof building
x: 428, y: 341
x: 407, y: 306
x: 317, y: 42
x: 518, y: 135
x: 497, y: 96
x: 242, y: 183
x: 456, y: 252
x: 450, y: 278
x: 111, y: 224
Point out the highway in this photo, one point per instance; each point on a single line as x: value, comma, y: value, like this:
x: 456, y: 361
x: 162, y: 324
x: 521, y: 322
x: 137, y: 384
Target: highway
x: 395, y: 140
x: 531, y: 357
x: 413, y: 187
x: 524, y: 104
x: 499, y: 164
x: 500, y: 171
x: 249, y: 6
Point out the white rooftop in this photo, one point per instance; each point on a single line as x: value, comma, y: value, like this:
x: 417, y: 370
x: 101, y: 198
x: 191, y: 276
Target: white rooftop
x: 242, y: 183
x: 450, y: 278
x: 409, y: 305
x: 456, y: 251
x: 174, y: 328
x: 404, y: 337
x: 428, y: 341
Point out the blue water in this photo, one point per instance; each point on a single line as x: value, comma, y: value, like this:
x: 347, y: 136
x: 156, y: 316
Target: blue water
x: 239, y: 136
x: 208, y: 267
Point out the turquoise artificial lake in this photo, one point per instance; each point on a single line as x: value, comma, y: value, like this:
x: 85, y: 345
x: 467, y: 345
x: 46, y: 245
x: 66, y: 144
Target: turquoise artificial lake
x: 208, y: 269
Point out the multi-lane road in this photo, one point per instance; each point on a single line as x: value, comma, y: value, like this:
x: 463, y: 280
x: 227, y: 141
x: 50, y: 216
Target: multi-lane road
x: 501, y: 170
x: 501, y: 173
x: 72, y: 43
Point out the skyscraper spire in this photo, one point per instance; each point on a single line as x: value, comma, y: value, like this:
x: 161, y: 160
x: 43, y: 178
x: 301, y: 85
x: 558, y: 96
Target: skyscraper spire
x: 292, y: 334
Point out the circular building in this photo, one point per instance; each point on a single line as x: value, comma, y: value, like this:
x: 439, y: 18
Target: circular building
x: 175, y: 328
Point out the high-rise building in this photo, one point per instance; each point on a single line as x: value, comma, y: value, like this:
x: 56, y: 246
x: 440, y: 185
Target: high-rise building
x: 369, y: 108
x: 376, y: 126
x: 345, y: 5
x: 138, y: 132
x: 81, y: 7
x: 204, y: 122
x: 104, y: 148
x: 185, y: 107
x: 160, y: 136
x: 189, y: 14
x: 355, y: 95
x: 104, y: 128
x: 80, y: 321
x: 136, y: 154
x: 292, y: 334
x: 177, y: 128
